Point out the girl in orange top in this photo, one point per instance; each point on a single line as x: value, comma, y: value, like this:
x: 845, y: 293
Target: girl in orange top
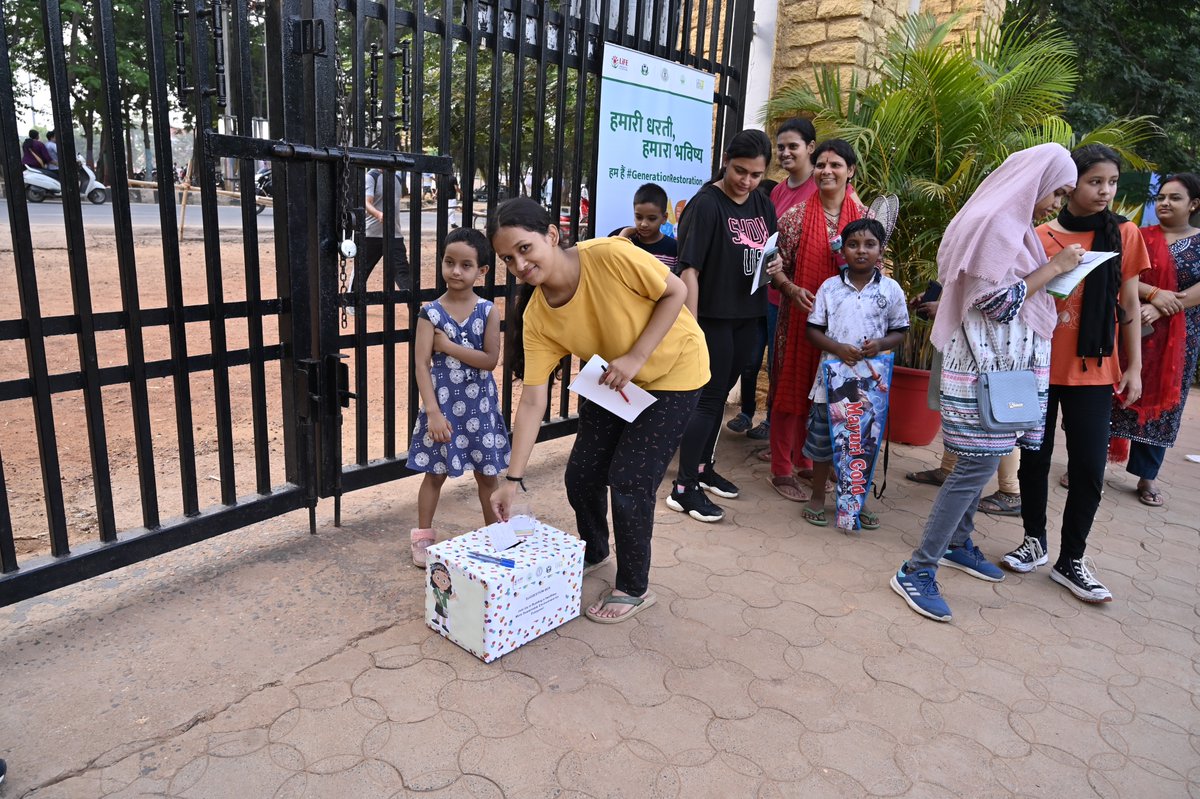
x: 1084, y: 371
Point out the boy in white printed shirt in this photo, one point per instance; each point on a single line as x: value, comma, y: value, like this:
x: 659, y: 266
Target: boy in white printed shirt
x: 857, y: 314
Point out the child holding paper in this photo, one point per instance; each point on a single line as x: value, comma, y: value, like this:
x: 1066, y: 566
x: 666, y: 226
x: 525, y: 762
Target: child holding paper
x: 459, y: 426
x: 856, y: 314
x: 602, y: 297
x: 1084, y: 371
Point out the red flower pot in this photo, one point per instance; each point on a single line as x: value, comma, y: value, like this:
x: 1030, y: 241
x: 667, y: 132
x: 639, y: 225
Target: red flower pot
x: 909, y: 419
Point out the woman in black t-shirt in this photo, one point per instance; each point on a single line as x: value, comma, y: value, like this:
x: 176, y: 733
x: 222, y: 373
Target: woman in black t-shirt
x: 721, y: 235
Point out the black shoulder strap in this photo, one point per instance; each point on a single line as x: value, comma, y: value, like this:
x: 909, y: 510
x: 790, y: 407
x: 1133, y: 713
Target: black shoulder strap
x: 880, y: 486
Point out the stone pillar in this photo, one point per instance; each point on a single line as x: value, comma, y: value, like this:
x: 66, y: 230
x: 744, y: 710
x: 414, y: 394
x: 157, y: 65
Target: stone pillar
x: 849, y: 34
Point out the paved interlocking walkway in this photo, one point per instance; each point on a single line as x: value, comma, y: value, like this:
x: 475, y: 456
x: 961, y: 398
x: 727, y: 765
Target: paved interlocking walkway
x: 777, y: 663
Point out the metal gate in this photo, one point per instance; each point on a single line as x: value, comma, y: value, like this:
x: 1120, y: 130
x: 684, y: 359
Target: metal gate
x: 159, y: 389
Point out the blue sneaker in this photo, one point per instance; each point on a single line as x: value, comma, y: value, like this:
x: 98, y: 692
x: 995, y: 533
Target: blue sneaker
x: 968, y: 558
x: 920, y: 591
x: 740, y: 423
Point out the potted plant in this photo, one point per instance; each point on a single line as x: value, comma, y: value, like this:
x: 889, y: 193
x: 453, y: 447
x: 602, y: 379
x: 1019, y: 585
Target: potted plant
x: 941, y: 113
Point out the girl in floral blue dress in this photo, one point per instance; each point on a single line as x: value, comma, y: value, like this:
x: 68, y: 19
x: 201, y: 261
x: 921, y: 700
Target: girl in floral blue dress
x: 459, y: 426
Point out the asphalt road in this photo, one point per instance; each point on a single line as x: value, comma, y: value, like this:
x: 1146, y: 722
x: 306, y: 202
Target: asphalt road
x: 49, y: 215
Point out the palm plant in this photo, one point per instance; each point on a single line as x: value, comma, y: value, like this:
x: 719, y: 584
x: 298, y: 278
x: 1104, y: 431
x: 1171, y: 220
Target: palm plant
x: 939, y: 116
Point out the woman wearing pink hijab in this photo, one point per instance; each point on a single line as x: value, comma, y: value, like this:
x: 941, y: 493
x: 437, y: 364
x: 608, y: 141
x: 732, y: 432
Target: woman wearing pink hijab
x: 993, y: 269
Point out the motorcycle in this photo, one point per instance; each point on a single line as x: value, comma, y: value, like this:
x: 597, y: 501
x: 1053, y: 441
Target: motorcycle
x: 262, y: 186
x: 40, y: 184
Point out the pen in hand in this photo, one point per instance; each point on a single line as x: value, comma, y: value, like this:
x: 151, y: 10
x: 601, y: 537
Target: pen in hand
x: 619, y: 391
x: 1062, y: 246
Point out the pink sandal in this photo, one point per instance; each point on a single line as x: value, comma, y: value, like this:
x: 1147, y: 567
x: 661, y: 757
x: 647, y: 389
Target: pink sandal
x: 420, y: 539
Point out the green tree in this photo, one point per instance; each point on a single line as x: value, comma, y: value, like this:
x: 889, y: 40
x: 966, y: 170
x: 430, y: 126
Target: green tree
x: 1134, y: 58
x: 29, y: 53
x: 533, y: 112
x: 23, y: 23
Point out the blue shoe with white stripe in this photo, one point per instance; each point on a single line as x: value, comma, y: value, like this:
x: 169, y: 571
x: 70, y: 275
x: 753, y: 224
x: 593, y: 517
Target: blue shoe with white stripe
x: 920, y: 590
x: 969, y: 559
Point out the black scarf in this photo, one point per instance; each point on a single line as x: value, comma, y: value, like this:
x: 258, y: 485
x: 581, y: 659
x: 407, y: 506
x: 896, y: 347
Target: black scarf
x: 1100, y: 306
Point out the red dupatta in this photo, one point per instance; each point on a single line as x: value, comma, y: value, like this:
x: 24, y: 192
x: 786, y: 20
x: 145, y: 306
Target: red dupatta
x: 1163, y: 350
x: 796, y: 360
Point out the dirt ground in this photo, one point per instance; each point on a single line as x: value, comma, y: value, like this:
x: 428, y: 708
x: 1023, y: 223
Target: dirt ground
x: 20, y: 449
x: 18, y: 441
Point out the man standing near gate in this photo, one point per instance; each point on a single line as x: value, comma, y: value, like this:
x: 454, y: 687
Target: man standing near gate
x: 370, y: 244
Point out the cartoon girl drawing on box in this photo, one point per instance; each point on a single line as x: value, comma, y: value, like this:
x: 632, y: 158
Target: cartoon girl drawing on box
x: 439, y: 580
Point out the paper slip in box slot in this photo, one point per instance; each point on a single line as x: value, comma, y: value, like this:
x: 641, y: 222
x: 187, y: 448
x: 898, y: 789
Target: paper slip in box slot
x: 489, y: 608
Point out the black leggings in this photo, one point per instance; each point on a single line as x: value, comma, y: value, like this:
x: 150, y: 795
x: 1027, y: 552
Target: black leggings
x: 731, y: 347
x: 630, y: 459
x: 1086, y: 412
x: 753, y: 367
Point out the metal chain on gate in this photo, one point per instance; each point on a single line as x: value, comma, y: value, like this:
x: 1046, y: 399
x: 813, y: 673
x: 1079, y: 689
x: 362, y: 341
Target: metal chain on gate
x: 347, y: 249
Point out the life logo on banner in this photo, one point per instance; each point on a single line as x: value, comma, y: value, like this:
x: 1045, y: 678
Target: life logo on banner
x: 858, y: 409
x: 656, y: 126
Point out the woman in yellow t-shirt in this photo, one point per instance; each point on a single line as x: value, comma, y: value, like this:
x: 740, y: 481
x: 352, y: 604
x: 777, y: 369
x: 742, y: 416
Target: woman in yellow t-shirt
x: 1084, y: 371
x: 603, y: 297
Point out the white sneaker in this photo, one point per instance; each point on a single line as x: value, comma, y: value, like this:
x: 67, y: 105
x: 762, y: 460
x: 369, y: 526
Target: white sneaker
x: 1026, y: 557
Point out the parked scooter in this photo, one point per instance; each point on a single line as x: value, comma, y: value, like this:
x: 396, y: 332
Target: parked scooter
x: 262, y: 187
x: 40, y: 184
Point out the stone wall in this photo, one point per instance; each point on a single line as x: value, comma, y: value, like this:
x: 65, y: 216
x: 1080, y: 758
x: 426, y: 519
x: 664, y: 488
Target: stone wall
x: 849, y: 34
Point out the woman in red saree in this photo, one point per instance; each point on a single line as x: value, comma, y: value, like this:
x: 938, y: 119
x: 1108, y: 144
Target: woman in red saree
x: 1170, y: 296
x: 809, y: 243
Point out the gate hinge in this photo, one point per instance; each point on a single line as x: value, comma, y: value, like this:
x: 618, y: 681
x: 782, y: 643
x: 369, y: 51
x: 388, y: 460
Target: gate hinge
x: 308, y: 37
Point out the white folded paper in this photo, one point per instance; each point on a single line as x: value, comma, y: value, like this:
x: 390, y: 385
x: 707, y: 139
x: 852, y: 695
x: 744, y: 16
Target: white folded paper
x: 1062, y: 285
x: 504, y: 535
x: 761, y: 278
x: 627, y: 403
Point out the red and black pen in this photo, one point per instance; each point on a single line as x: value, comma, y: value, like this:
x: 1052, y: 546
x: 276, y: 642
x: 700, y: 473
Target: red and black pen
x: 619, y: 391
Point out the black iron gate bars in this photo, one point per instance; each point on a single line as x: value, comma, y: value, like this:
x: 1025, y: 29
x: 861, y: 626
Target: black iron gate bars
x: 506, y: 91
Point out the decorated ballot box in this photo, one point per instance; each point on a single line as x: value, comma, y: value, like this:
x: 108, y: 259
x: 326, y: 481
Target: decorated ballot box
x: 490, y: 598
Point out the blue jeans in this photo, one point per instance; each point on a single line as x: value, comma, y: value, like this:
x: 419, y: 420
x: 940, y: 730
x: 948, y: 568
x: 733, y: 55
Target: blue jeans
x: 1145, y: 459
x: 952, y: 518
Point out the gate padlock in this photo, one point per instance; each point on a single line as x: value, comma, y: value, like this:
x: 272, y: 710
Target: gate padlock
x: 348, y: 248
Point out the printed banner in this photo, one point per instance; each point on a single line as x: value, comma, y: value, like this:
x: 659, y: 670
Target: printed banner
x: 656, y: 126
x: 858, y: 407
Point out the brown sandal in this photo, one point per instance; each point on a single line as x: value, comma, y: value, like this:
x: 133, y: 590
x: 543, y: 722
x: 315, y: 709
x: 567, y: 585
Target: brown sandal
x: 929, y: 477
x: 789, y: 488
x: 1001, y: 504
